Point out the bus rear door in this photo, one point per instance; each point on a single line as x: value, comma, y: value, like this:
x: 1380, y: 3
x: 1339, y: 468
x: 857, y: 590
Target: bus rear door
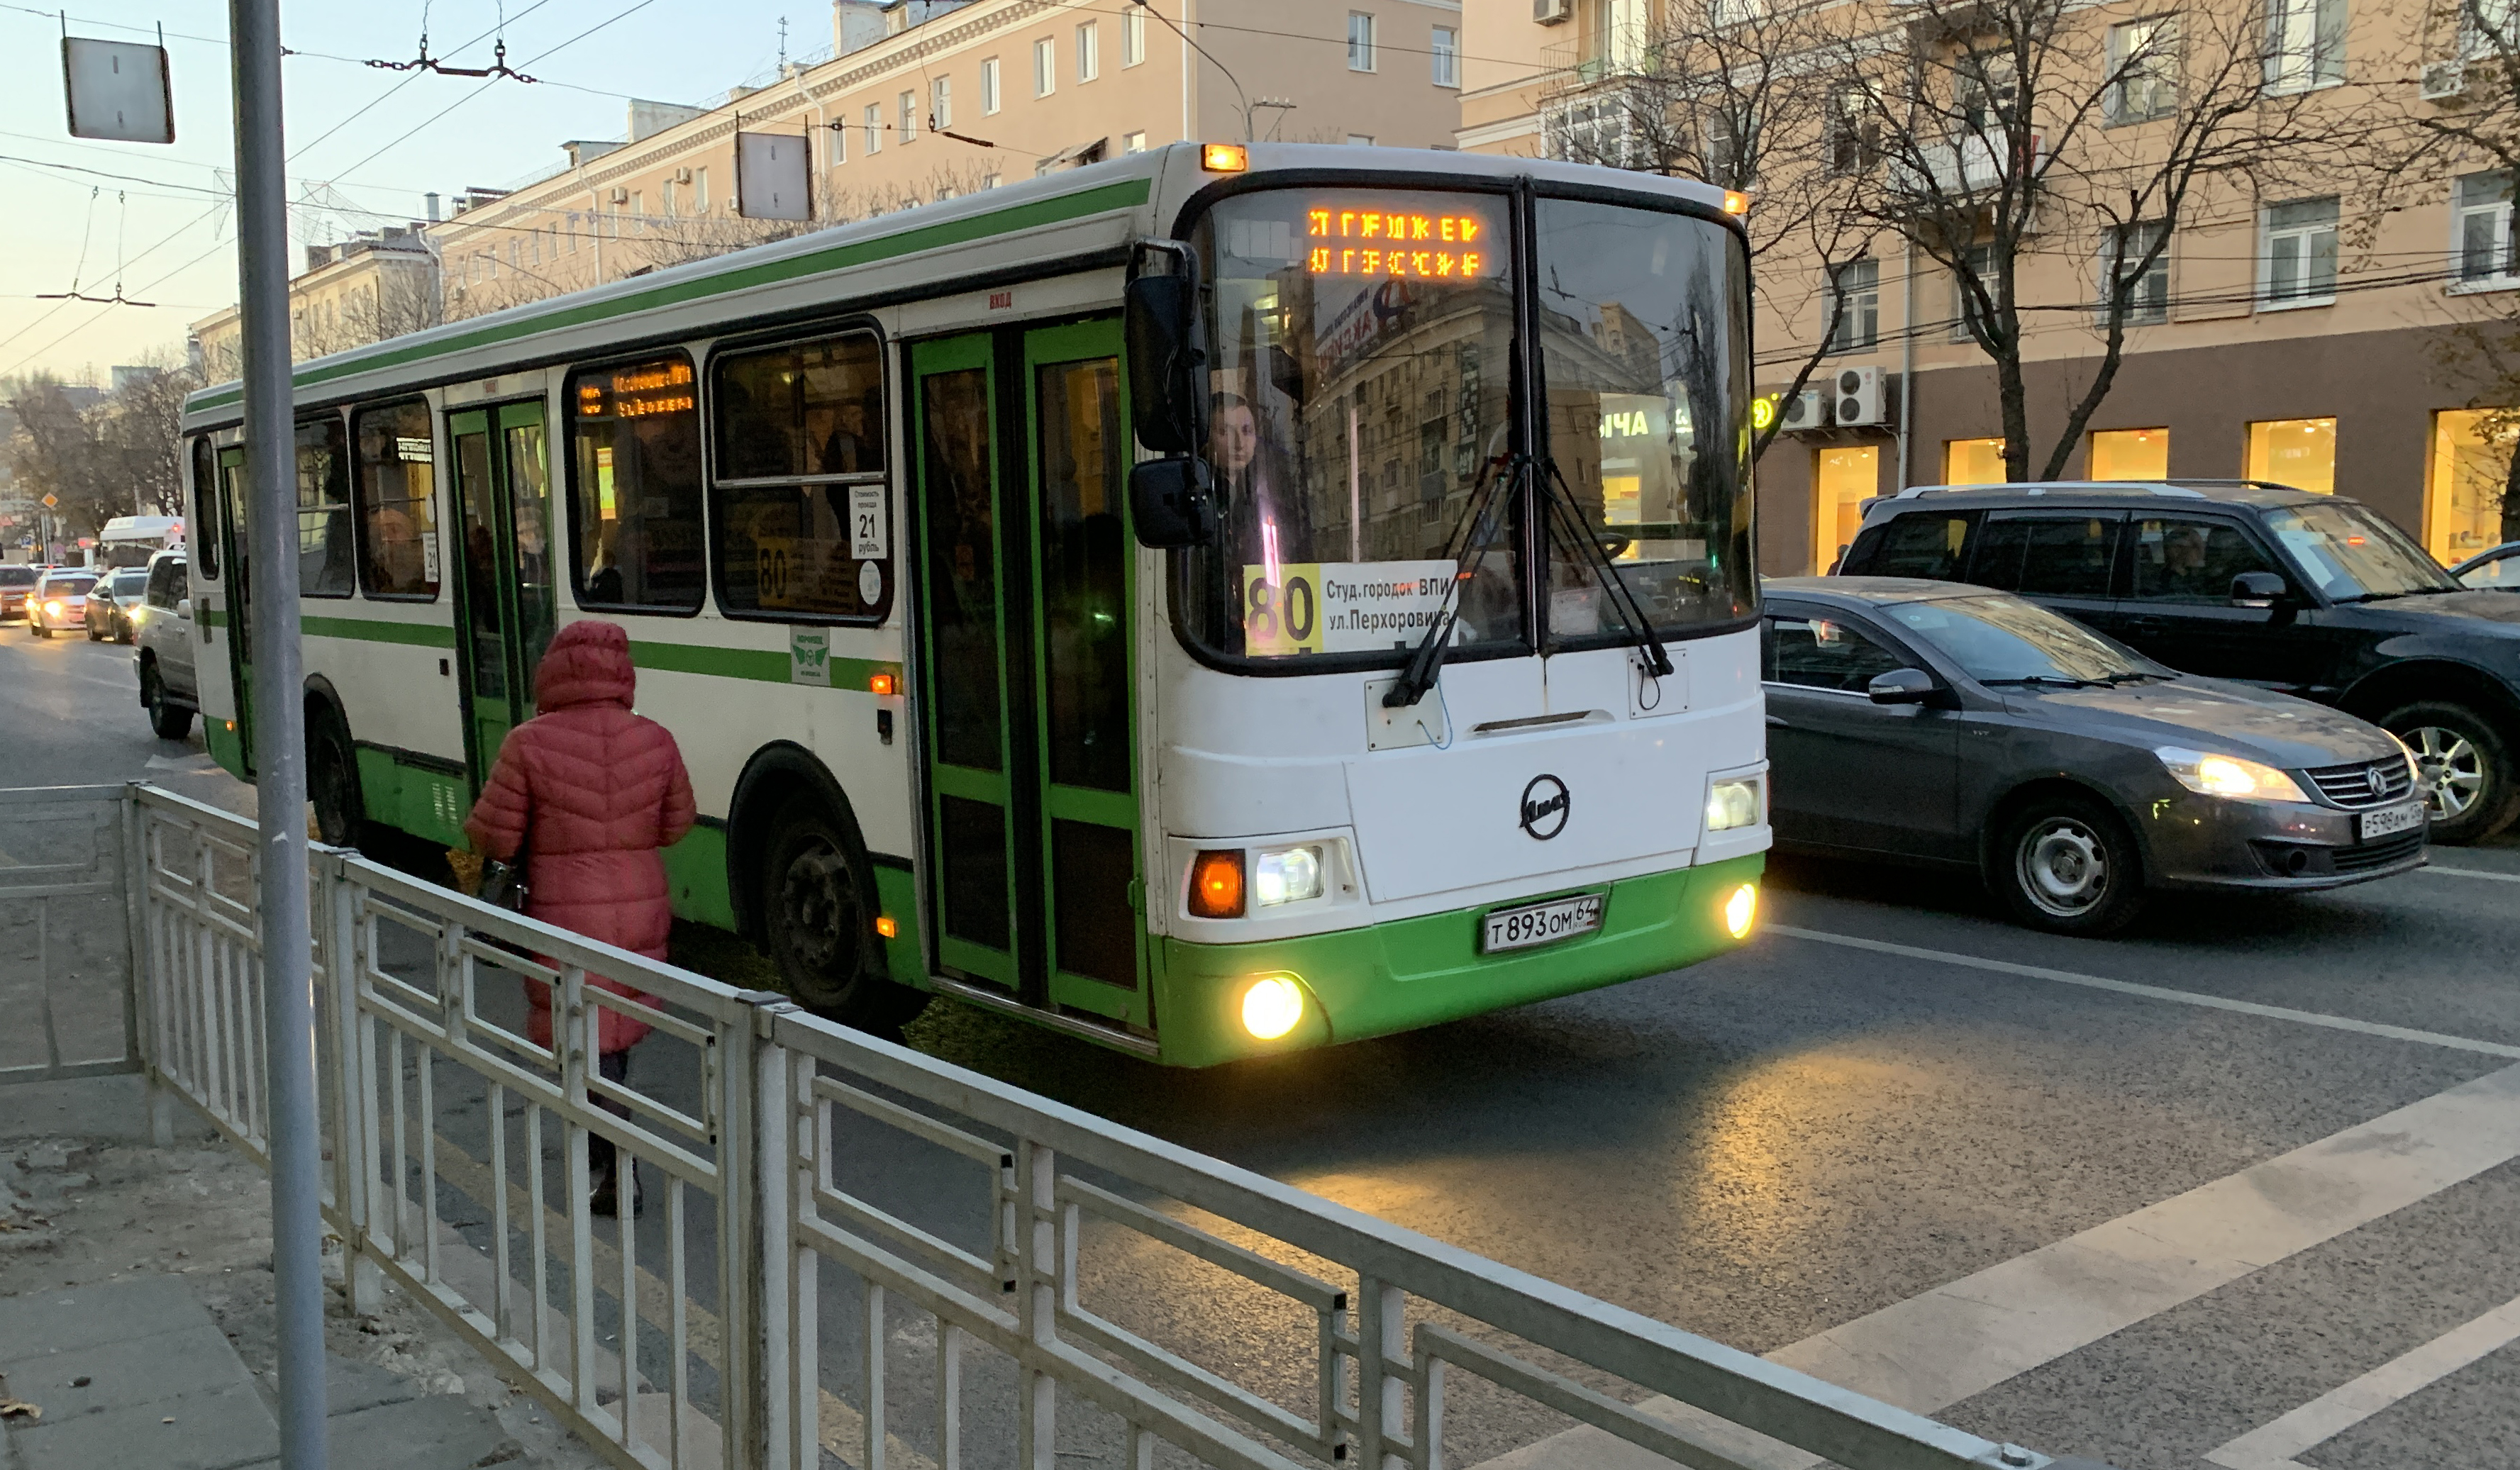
x: 1025, y: 682
x: 503, y: 575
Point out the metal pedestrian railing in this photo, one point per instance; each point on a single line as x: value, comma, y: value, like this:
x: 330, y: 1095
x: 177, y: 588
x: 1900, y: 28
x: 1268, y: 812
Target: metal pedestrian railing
x: 840, y: 1250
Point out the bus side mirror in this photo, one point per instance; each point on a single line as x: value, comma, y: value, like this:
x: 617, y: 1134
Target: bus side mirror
x: 1167, y: 351
x: 1170, y: 503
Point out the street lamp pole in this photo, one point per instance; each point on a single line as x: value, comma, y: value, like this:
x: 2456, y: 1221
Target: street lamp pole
x: 277, y: 722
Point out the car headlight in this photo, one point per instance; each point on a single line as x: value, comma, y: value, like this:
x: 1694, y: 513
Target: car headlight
x: 1286, y: 876
x: 1733, y: 802
x: 53, y: 609
x: 2229, y: 776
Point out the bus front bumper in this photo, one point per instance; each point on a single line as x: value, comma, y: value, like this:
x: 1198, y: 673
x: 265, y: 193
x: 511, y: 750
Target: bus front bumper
x: 1411, y: 972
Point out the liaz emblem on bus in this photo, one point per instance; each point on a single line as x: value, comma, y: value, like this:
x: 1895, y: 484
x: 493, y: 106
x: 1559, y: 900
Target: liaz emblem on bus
x: 1346, y: 241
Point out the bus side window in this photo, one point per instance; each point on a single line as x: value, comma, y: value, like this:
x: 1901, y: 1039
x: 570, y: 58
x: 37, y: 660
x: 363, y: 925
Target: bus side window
x: 394, y: 501
x: 634, y: 434
x: 205, y: 509
x: 803, y: 521
x: 323, y: 509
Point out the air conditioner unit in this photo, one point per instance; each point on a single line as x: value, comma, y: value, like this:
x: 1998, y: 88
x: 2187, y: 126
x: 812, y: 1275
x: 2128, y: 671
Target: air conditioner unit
x: 1801, y: 412
x: 1854, y: 398
x: 620, y: 194
x: 2441, y: 81
x: 682, y: 175
x: 1552, y: 11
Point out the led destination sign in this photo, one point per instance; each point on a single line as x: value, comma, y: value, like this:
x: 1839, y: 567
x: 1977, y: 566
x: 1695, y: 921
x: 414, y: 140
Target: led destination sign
x: 637, y: 392
x: 1404, y: 243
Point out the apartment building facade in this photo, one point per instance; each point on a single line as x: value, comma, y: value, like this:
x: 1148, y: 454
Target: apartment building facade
x: 2332, y: 331
x: 934, y: 99
x: 375, y: 284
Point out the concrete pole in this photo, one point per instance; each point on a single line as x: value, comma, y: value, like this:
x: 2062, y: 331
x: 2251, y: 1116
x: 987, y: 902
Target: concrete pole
x: 279, y: 731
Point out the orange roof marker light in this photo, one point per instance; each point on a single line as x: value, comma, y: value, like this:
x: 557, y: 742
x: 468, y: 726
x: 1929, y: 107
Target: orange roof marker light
x: 881, y: 683
x: 1735, y: 202
x: 1224, y: 157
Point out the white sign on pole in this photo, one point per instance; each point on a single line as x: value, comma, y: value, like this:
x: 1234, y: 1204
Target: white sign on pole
x: 117, y: 90
x: 773, y: 176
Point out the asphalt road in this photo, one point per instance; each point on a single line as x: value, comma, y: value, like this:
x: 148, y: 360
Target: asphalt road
x: 2236, y: 1189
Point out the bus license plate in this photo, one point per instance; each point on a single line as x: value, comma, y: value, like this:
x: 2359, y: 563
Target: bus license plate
x: 1541, y: 923
x: 2390, y: 821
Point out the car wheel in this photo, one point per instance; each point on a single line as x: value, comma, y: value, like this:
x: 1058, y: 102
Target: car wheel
x: 818, y: 905
x: 2462, y: 768
x: 171, y: 722
x: 2067, y: 865
x: 332, y: 782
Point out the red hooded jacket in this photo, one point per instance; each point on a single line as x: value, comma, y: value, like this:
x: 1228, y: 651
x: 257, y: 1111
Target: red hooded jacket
x: 591, y: 791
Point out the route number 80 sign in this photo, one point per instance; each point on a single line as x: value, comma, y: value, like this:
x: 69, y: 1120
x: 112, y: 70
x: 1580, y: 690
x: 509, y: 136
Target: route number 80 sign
x: 1339, y: 606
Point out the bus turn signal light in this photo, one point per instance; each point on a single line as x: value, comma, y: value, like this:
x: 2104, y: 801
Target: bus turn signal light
x: 881, y: 683
x: 1735, y: 202
x: 888, y: 926
x: 1225, y: 157
x: 1216, y: 884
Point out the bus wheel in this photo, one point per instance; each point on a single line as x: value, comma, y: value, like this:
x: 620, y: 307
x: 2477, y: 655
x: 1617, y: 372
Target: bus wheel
x: 819, y: 909
x: 172, y: 722
x: 333, y: 781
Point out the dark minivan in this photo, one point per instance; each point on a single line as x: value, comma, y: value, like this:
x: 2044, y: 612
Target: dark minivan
x: 2309, y: 595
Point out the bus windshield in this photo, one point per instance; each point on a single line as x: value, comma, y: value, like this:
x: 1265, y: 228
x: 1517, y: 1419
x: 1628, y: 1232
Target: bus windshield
x: 1358, y: 348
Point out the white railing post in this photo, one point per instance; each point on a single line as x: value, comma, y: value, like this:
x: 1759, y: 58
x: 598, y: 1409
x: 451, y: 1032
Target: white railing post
x: 801, y: 1316
x: 1037, y: 1300
x: 757, y: 1161
x: 355, y: 1089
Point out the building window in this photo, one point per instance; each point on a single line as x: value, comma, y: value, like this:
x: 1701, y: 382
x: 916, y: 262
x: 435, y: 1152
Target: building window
x: 2484, y: 225
x: 2296, y: 452
x: 633, y: 434
x: 909, y: 108
x: 840, y: 141
x: 395, y: 502
x: 1446, y: 50
x: 1980, y: 260
x: 1133, y: 142
x: 1133, y: 38
x: 2305, y: 44
x: 1360, y: 140
x: 2131, y: 454
x: 1843, y: 480
x: 2471, y: 468
x: 2144, y: 69
x: 873, y: 117
x: 1855, y: 302
x: 1044, y: 67
x: 1973, y: 462
x: 992, y: 181
x: 940, y: 103
x: 2300, y: 254
x: 1360, y: 41
x: 2122, y: 264
x: 1089, y: 52
x: 699, y: 191
x: 989, y: 87
x: 1854, y: 131
x: 664, y: 196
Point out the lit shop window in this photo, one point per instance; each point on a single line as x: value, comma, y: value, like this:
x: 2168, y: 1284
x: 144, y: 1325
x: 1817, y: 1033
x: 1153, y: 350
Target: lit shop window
x: 1973, y: 462
x: 2131, y: 454
x: 2296, y: 452
x: 2463, y: 493
x: 1844, y: 480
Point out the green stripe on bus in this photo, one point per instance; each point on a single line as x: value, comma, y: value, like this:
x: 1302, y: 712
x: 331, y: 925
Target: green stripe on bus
x: 1059, y: 210
x: 371, y: 630
x: 768, y: 665
x: 216, y: 617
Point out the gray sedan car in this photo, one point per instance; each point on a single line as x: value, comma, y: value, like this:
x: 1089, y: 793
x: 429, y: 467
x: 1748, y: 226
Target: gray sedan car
x: 1948, y: 725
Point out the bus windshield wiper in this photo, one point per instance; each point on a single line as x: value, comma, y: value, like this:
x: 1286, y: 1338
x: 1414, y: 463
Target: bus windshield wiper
x: 1471, y: 536
x: 1623, y: 597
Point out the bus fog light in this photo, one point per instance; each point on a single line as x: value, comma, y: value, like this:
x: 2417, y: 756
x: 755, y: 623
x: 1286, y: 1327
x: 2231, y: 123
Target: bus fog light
x: 1732, y: 804
x: 1272, y: 1007
x: 1740, y: 911
x: 1286, y: 876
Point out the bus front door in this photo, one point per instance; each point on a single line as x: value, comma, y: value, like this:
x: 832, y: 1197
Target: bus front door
x: 1025, y: 633
x: 504, y: 574
x: 235, y: 494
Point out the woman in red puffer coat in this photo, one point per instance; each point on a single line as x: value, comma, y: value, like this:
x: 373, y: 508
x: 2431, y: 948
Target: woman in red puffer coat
x: 590, y: 791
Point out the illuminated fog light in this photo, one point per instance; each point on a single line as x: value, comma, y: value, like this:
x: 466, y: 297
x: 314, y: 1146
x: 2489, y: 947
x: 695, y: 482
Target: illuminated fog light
x: 1286, y: 875
x: 1732, y: 804
x: 1272, y: 1007
x: 1740, y: 911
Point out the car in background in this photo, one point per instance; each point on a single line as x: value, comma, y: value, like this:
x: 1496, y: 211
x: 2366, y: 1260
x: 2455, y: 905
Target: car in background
x: 163, y: 657
x: 17, y: 585
x: 2494, y: 570
x: 109, y: 603
x: 1950, y: 726
x: 59, y: 602
x: 2314, y: 596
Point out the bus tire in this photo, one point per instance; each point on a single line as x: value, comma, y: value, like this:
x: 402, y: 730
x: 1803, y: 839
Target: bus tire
x: 2067, y: 865
x: 172, y: 721
x: 818, y: 912
x: 332, y: 778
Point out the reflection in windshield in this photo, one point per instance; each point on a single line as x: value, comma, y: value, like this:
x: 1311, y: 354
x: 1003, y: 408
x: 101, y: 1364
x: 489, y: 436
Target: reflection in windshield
x: 2349, y: 553
x: 1360, y: 342
x: 1997, y: 639
x: 1644, y: 332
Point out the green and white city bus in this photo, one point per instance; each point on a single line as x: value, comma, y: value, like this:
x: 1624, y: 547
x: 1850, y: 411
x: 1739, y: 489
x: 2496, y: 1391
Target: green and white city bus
x: 1213, y: 602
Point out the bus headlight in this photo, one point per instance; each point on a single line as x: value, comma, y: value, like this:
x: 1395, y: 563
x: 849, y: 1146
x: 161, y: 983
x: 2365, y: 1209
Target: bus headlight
x: 1286, y: 874
x: 1741, y: 910
x: 1272, y: 1007
x: 1733, y: 803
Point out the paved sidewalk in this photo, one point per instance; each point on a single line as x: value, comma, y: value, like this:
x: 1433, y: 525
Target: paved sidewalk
x: 135, y: 1313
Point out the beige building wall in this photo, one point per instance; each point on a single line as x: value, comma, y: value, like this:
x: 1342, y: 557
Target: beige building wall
x: 357, y: 291
x: 1072, y: 82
